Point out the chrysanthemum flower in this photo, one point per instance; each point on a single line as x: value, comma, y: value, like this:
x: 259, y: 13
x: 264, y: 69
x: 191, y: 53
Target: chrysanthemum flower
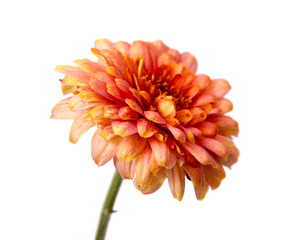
x: 153, y: 115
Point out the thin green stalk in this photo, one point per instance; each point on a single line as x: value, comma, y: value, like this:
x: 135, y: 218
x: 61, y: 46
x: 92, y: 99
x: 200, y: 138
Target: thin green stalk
x: 108, y: 205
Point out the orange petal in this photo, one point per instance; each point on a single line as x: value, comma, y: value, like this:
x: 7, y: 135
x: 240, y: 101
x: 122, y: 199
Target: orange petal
x: 176, y: 178
x: 107, y: 132
x: 166, y: 107
x: 89, y: 66
x: 198, y: 116
x: 114, y: 71
x: 124, y: 87
x: 160, y: 47
x: 114, y: 91
x: 76, y: 103
x: 203, y: 99
x: 131, y: 147
x: 62, y: 111
x: 126, y: 113
x: 214, y: 176
x: 155, y: 183
x: 80, y: 125
x: 162, y: 153
x: 124, y: 128
x: 184, y: 116
x: 224, y: 105
x: 146, y: 129
x: 134, y: 105
x: 177, y: 133
x: 226, y: 125
x: 68, y: 88
x: 218, y: 88
x: 78, y: 79
x: 142, y: 171
x: 123, y: 47
x: 189, y: 61
x: 154, y: 117
x: 66, y: 69
x: 208, y: 129
x: 202, y: 81
x: 200, y: 154
x: 89, y: 95
x: 215, y: 146
x: 104, y: 44
x: 125, y: 169
x: 140, y: 49
x: 101, y: 150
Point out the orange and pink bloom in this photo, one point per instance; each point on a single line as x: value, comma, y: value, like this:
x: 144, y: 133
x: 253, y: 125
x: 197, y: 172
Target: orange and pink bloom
x: 154, y: 116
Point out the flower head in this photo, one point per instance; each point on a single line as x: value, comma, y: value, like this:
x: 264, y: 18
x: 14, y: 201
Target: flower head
x: 153, y: 115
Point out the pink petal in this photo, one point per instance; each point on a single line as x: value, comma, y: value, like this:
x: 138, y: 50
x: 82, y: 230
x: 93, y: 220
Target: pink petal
x: 134, y: 105
x: 177, y: 133
x: 224, y: 105
x: 123, y: 47
x: 104, y: 44
x: 80, y: 125
x: 62, y: 111
x: 102, y: 150
x: 126, y: 113
x: 79, y: 79
x: 215, y: 146
x: 218, y: 88
x: 203, y: 99
x: 189, y: 61
x: 140, y: 49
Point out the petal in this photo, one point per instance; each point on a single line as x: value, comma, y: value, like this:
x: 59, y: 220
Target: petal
x: 104, y: 44
x: 77, y: 78
x: 140, y: 49
x: 176, y: 178
x: 114, y: 91
x: 218, y: 88
x: 76, y: 103
x: 66, y: 69
x: 68, y: 88
x: 214, y: 176
x: 89, y: 95
x: 124, y: 87
x: 166, y: 107
x: 101, y: 150
x: 89, y: 66
x: 131, y: 147
x: 160, y: 47
x: 134, y: 105
x: 184, y: 116
x: 202, y: 81
x: 126, y: 113
x: 198, y: 116
x: 155, y: 183
x: 200, y: 154
x: 154, y: 117
x: 62, y: 111
x: 189, y: 61
x: 215, y: 146
x: 208, y: 129
x: 80, y: 125
x: 224, y: 105
x: 162, y: 153
x: 124, y: 128
x: 146, y: 129
x: 203, y: 99
x: 226, y: 125
x: 177, y: 133
x: 125, y: 169
x: 107, y: 132
x: 123, y: 47
x: 142, y: 171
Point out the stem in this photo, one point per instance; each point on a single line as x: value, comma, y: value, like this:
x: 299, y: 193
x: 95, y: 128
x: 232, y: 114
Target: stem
x: 108, y: 205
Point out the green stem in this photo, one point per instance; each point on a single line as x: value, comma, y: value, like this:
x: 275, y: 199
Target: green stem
x: 108, y: 205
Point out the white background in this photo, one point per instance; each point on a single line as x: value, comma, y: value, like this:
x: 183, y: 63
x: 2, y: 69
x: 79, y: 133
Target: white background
x: 51, y: 189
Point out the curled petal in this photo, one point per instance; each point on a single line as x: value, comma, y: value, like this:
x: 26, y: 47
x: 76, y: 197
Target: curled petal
x: 154, y: 117
x: 107, y: 132
x: 162, y: 153
x: 198, y: 116
x: 200, y: 154
x: 131, y: 147
x: 184, y: 116
x: 176, y: 178
x: 102, y: 150
x: 125, y: 169
x: 155, y: 182
x: 215, y: 146
x: 80, y: 125
x: 189, y: 61
x: 134, y: 105
x: 146, y: 129
x: 126, y: 113
x: 218, y: 88
x: 124, y: 128
x: 177, y: 133
x: 166, y: 107
x: 208, y: 129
